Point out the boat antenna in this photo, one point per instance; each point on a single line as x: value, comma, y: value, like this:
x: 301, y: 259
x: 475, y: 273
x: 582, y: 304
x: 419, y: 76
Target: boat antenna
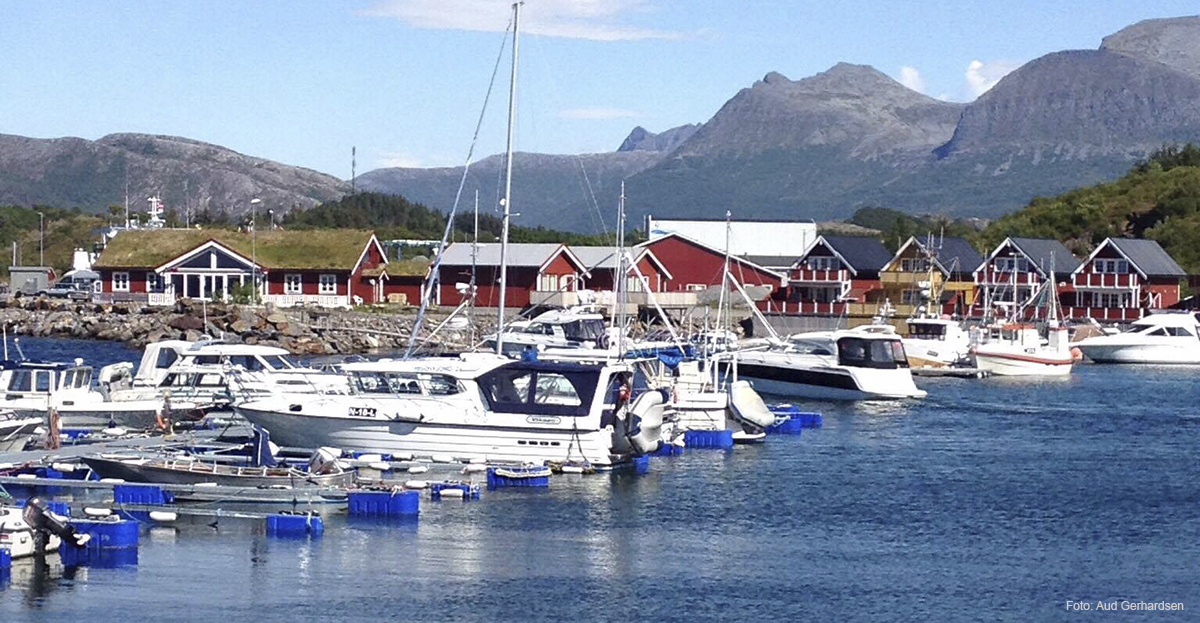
x: 506, y: 201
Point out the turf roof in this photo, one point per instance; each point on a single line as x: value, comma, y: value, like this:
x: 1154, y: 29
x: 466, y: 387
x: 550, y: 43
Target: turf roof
x: 296, y: 249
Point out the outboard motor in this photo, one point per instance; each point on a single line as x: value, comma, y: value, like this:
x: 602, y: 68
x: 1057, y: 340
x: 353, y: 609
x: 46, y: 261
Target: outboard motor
x: 44, y: 523
x: 748, y: 407
x: 324, y: 461
x: 644, y: 420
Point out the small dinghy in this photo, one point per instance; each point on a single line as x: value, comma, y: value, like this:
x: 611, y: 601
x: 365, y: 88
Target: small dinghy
x: 16, y: 431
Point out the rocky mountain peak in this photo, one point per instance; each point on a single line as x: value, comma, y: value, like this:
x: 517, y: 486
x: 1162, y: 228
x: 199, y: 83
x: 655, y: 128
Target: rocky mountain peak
x: 1173, y: 41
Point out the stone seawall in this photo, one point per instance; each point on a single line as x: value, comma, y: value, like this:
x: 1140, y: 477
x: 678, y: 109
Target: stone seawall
x: 301, y: 331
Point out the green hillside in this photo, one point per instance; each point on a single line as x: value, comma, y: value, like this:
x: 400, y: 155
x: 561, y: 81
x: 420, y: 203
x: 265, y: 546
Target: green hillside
x: 1158, y: 199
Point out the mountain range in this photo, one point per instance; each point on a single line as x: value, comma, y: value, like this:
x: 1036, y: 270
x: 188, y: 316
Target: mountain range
x: 814, y: 148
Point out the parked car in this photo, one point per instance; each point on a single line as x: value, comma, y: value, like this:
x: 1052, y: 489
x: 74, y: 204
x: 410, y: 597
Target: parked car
x: 69, y: 289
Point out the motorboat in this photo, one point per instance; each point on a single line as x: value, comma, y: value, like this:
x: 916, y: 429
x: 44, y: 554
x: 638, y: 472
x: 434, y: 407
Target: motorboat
x: 1155, y: 339
x: 864, y: 363
x: 1018, y: 349
x: 473, y: 406
x: 936, y: 343
x: 17, y: 536
x: 34, y: 389
x: 16, y: 431
x: 573, y: 327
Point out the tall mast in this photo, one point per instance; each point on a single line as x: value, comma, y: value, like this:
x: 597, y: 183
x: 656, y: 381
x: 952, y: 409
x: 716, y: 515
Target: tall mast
x: 474, y: 261
x: 507, y: 200
x: 620, y: 275
x: 724, y: 275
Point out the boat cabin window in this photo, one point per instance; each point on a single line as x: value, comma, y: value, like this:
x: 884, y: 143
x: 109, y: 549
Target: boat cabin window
x: 206, y: 359
x: 927, y: 331
x: 386, y: 383
x: 591, y: 329
x: 250, y: 363
x: 76, y: 378
x: 1179, y: 331
x: 538, y: 391
x: 885, y: 354
x: 166, y: 359
x: 1158, y: 331
x: 278, y: 362
x: 21, y: 381
x: 42, y: 380
x: 540, y: 329
x: 441, y: 384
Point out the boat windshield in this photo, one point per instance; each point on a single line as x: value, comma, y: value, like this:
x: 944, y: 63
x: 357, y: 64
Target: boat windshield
x: 861, y: 353
x: 539, y: 328
x: 279, y: 362
x: 926, y: 331
x: 540, y: 390
x: 591, y: 329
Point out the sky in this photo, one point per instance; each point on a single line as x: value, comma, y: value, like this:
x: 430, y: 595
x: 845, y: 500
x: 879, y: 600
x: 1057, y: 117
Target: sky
x: 403, y: 81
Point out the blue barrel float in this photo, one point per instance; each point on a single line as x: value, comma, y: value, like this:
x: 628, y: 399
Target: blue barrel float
x: 113, y: 544
x: 400, y: 504
x: 295, y: 525
x: 714, y: 439
x: 790, y: 419
x: 469, y: 491
x: 502, y: 477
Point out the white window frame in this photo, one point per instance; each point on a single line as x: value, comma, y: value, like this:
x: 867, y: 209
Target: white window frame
x: 155, y: 282
x: 822, y: 262
x: 327, y: 284
x: 696, y: 287
x: 120, y: 281
x: 293, y: 283
x: 548, y: 282
x: 1111, y: 266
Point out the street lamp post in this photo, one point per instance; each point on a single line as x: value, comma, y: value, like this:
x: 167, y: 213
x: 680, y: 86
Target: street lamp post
x: 254, y: 249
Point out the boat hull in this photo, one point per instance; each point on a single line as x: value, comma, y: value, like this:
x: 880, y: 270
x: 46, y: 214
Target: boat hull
x: 1011, y: 364
x: 97, y: 417
x: 1140, y: 353
x: 494, y: 443
x: 155, y: 473
x: 830, y: 383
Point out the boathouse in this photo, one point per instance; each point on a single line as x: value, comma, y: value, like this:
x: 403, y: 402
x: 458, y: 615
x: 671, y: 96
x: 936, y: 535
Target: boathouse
x: 1014, y: 271
x: 1122, y: 280
x: 325, y: 268
x: 833, y: 272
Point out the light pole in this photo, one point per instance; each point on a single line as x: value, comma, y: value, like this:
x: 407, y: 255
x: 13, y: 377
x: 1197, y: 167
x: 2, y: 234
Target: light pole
x: 254, y: 249
x: 42, y: 239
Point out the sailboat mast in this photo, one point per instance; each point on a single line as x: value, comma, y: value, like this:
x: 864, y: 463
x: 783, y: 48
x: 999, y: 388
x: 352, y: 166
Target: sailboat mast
x: 507, y: 200
x: 724, y: 274
x: 474, y: 262
x: 620, y: 276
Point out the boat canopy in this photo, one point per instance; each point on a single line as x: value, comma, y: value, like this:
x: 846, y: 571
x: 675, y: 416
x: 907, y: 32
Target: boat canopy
x: 541, y: 388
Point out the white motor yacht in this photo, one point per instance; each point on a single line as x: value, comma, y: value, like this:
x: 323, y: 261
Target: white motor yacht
x: 936, y: 343
x: 474, y: 406
x: 867, y: 362
x: 1155, y: 339
x: 574, y: 327
x: 33, y: 389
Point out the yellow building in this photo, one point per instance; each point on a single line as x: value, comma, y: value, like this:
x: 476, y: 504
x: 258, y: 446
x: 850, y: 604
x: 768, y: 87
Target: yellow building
x: 936, y: 267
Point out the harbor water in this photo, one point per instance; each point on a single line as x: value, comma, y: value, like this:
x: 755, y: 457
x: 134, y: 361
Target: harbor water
x: 993, y: 499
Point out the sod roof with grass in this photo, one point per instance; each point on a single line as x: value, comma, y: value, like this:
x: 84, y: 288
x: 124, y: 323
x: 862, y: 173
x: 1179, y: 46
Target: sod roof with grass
x: 321, y: 249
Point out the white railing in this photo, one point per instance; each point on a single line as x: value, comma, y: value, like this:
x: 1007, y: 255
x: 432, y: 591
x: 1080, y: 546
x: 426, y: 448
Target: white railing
x: 160, y: 299
x: 318, y: 300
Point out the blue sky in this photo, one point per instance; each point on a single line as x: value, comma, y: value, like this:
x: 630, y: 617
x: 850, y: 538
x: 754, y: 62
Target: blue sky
x: 301, y: 81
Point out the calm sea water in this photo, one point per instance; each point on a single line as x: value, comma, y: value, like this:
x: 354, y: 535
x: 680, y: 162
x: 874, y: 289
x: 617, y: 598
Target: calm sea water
x: 989, y: 500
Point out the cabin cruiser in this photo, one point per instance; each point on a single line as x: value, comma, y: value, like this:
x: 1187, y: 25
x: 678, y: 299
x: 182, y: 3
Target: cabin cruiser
x: 864, y: 363
x: 33, y: 389
x: 1017, y: 349
x: 473, y: 407
x: 16, y: 430
x: 1157, y: 338
x: 574, y: 327
x: 936, y: 343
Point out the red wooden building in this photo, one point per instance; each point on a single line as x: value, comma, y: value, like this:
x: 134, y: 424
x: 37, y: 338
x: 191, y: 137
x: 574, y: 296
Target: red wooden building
x: 1122, y: 280
x: 535, y: 271
x: 601, y: 263
x: 327, y: 268
x: 833, y: 271
x: 1016, y: 269
x: 694, y: 266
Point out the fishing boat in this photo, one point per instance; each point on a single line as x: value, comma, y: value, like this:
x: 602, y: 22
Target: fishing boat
x: 1155, y: 339
x: 474, y: 406
x: 865, y: 363
x: 936, y: 343
x: 190, y: 470
x: 1018, y: 349
x: 16, y: 431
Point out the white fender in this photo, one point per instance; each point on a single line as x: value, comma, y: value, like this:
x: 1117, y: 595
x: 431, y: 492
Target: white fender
x: 748, y: 406
x: 646, y: 420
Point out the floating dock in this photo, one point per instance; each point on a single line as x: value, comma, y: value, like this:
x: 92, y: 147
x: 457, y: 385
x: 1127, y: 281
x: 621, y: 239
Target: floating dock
x: 958, y: 373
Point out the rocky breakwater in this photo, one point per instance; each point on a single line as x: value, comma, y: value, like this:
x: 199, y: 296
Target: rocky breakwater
x: 300, y: 331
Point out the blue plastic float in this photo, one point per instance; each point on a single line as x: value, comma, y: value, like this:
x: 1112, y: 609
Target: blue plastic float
x: 501, y: 477
x: 384, y: 503
x: 113, y: 544
x: 295, y: 525
x: 714, y: 439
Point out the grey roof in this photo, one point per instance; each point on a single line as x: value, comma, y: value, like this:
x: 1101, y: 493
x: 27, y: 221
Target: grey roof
x: 861, y: 252
x: 955, y: 253
x: 600, y: 257
x: 1041, y: 250
x: 519, y: 254
x: 776, y: 262
x: 1149, y: 257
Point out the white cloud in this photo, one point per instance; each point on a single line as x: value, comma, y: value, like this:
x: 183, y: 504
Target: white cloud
x: 982, y: 76
x: 598, y: 113
x: 911, y: 78
x: 398, y: 159
x: 597, y: 20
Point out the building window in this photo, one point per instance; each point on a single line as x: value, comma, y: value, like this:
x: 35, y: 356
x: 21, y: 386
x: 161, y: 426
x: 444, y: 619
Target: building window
x: 822, y: 263
x: 911, y: 297
x: 696, y: 287
x: 1111, y: 299
x: 633, y: 284
x: 328, y: 284
x: 1110, y: 266
x: 292, y: 284
x: 1011, y: 265
x: 120, y: 282
x: 914, y: 265
x: 548, y: 283
x: 154, y: 282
